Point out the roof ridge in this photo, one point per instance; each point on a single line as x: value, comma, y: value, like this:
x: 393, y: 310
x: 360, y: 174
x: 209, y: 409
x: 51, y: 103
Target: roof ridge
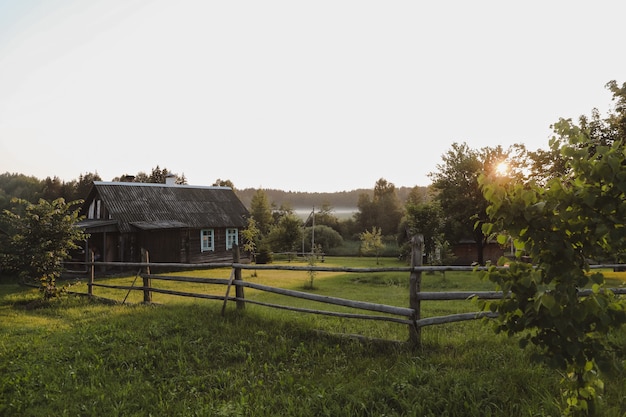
x: 152, y: 184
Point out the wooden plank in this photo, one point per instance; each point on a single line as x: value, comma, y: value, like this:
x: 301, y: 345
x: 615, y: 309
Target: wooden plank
x: 381, y: 308
x: 218, y: 281
x: 230, y: 282
x: 332, y: 313
x: 460, y: 295
x: 454, y: 318
x: 415, y: 286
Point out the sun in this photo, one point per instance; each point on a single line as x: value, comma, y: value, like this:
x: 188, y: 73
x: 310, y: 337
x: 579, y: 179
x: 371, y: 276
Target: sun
x: 502, y: 168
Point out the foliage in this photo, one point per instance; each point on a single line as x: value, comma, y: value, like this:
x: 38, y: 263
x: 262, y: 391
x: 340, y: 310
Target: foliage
x: 371, y: 242
x: 286, y: 235
x: 40, y: 237
x: 264, y: 256
x: 223, y: 183
x: 18, y: 186
x: 325, y: 217
x: 425, y: 219
x: 32, y: 189
x: 261, y: 212
x: 459, y: 195
x: 311, y: 260
x: 325, y: 237
x: 383, y: 211
x: 563, y: 225
x: 156, y: 176
x: 251, y: 237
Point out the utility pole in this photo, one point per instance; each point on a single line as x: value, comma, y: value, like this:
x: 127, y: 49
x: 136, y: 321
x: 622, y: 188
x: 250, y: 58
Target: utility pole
x: 313, y: 232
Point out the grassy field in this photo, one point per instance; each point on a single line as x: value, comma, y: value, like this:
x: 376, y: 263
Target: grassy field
x: 181, y: 357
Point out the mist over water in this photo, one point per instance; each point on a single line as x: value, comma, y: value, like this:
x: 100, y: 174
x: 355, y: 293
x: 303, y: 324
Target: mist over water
x: 341, y: 213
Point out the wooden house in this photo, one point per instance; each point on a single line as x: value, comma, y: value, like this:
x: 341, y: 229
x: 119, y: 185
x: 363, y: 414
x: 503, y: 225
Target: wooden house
x: 174, y: 223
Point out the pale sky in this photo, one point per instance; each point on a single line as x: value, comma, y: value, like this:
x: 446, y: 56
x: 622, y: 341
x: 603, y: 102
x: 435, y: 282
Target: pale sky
x: 317, y: 96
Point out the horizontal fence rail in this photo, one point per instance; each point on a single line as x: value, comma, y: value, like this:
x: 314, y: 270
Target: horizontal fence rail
x: 410, y: 316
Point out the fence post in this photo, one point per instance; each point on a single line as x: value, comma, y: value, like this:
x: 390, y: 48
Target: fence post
x: 238, y: 288
x: 147, y: 282
x: 91, y: 275
x: 415, y: 284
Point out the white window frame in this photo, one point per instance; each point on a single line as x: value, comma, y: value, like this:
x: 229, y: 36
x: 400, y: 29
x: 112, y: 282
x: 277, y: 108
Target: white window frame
x: 232, y: 237
x: 207, y: 240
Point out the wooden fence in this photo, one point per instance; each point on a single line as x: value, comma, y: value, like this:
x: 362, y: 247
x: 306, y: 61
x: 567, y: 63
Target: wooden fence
x: 409, y: 316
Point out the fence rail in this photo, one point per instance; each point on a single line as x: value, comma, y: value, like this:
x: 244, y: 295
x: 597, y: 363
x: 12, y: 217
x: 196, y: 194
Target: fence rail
x: 409, y: 316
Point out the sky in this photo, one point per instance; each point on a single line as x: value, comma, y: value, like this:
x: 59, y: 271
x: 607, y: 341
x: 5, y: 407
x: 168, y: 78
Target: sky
x: 314, y: 96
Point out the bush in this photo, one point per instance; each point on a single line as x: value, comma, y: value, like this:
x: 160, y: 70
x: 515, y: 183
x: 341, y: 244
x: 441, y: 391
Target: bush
x: 264, y: 256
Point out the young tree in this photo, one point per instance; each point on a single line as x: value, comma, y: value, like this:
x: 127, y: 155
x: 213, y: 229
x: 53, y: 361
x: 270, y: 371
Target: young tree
x: 562, y: 225
x: 261, y: 211
x: 371, y: 242
x: 251, y: 237
x: 40, y: 236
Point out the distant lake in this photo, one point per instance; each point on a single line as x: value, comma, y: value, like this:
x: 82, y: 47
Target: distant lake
x: 341, y: 213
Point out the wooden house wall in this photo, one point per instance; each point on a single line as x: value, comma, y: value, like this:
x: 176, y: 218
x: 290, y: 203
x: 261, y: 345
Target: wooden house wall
x: 162, y: 245
x: 172, y: 245
x: 466, y: 253
x: 220, y: 254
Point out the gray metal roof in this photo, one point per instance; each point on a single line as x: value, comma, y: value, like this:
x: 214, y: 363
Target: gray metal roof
x: 149, y: 206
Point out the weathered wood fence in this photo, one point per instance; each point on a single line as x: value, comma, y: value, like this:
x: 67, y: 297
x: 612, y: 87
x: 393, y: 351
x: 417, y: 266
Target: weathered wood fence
x: 409, y: 316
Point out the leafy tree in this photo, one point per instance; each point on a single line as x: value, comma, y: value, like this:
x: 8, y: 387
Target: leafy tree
x: 383, y: 210
x: 261, y: 211
x: 18, y: 186
x: 325, y: 238
x: 365, y: 217
x: 52, y: 189
x: 286, y: 235
x: 459, y: 195
x: 251, y: 237
x: 283, y: 210
x: 425, y: 219
x: 158, y: 175
x: 324, y: 217
x: 40, y: 236
x: 418, y: 195
x: 85, y: 182
x: 371, y: 242
x: 562, y: 225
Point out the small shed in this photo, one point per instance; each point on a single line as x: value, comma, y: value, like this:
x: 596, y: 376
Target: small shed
x: 174, y: 223
x: 466, y: 253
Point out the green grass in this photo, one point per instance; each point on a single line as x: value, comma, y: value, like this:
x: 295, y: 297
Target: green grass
x: 80, y: 357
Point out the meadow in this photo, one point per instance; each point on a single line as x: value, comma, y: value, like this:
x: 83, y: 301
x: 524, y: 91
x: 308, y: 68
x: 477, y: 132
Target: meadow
x: 181, y: 357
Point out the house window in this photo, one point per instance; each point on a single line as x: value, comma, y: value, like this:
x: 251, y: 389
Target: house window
x: 95, y: 210
x: 232, y: 238
x: 207, y: 240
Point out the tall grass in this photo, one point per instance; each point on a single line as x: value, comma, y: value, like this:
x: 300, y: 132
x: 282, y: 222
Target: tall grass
x: 77, y: 356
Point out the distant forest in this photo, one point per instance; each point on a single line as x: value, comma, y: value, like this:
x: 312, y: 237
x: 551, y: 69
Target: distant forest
x: 31, y: 188
x: 307, y: 200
